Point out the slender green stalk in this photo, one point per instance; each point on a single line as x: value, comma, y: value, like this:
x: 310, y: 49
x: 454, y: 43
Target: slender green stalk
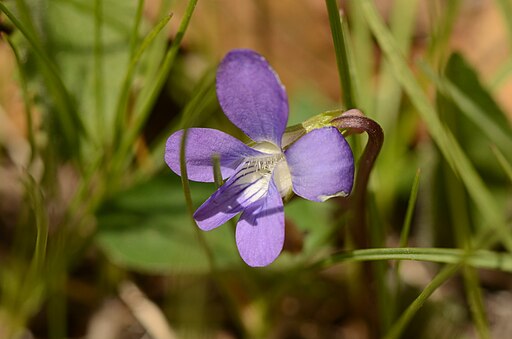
x: 188, y: 199
x: 361, y: 57
x: 403, y: 20
x: 99, y: 91
x: 445, y: 15
x: 27, y: 19
x: 135, y: 29
x: 217, y: 175
x: 503, y: 162
x: 342, y: 59
x: 475, y: 300
x: 460, y: 221
x: 446, y: 273
x: 479, y: 258
x: 404, y: 235
x: 232, y: 305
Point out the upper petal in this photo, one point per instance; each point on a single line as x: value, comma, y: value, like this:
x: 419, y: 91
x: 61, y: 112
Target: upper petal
x: 244, y: 188
x: 202, y: 145
x: 252, y: 96
x: 321, y: 165
x: 260, y: 230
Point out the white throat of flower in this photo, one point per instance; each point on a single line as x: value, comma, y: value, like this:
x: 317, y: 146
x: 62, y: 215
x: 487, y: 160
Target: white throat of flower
x: 261, y: 169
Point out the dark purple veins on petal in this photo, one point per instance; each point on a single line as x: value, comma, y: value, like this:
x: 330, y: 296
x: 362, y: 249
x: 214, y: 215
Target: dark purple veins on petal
x: 260, y: 230
x: 202, y: 145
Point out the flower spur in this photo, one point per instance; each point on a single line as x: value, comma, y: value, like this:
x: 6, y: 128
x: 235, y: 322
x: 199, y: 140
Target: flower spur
x: 316, y: 167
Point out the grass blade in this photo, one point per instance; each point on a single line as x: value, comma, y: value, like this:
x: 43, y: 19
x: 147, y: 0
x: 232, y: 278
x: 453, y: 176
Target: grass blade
x: 98, y: 70
x: 503, y: 162
x: 404, y: 235
x: 342, y: 60
x: 475, y: 301
x: 478, y: 258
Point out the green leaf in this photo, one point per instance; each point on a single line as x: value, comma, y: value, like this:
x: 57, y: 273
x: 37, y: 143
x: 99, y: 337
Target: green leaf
x: 148, y: 229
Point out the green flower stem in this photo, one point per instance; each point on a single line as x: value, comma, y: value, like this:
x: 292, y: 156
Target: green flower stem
x: 404, y: 235
x: 505, y: 165
x: 354, y: 121
x: 479, y: 259
x: 99, y: 81
x: 342, y: 58
x: 216, y: 276
x: 135, y: 29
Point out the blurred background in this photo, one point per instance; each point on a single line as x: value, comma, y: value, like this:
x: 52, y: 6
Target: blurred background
x: 96, y: 240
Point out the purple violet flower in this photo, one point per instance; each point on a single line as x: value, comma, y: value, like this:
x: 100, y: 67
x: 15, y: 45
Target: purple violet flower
x: 316, y: 167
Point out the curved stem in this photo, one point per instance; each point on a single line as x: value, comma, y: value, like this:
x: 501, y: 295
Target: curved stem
x: 355, y: 122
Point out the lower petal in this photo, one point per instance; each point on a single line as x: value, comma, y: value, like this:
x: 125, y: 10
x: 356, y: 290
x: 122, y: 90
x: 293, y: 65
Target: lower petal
x: 321, y: 165
x: 244, y: 188
x: 260, y: 230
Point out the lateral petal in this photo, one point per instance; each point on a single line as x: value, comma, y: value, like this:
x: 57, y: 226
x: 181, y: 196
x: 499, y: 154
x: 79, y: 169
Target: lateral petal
x: 321, y: 165
x: 202, y: 145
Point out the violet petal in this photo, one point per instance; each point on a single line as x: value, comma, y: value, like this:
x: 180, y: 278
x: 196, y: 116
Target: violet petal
x: 202, y: 145
x: 260, y: 230
x: 244, y: 188
x: 321, y: 164
x: 252, y: 96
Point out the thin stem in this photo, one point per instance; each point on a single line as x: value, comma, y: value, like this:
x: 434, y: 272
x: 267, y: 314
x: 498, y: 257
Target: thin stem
x: 136, y: 25
x: 355, y: 122
x: 98, y: 70
x: 342, y: 59
x: 188, y: 199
